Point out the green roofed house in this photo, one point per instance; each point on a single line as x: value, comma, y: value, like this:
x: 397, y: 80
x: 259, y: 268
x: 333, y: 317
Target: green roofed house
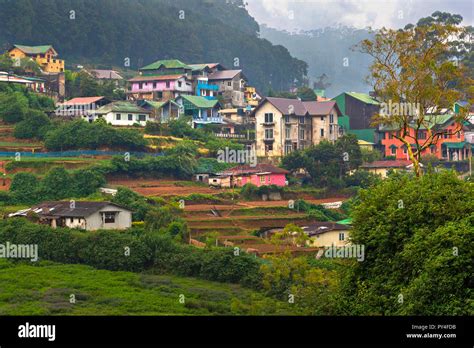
x: 166, y: 67
x: 357, y: 110
x: 202, y: 110
x: 123, y: 113
x: 44, y: 55
x: 162, y: 111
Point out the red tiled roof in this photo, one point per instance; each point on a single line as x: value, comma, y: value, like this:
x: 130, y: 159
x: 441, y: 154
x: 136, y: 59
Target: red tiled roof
x: 82, y: 100
x: 387, y: 164
x: 259, y: 168
x: 155, y: 78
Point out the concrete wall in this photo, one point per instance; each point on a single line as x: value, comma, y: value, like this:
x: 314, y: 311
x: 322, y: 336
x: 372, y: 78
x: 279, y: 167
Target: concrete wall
x: 123, y: 219
x: 278, y: 149
x: 329, y: 238
x: 111, y: 118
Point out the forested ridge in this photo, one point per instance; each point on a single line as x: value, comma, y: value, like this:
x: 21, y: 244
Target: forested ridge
x: 107, y: 32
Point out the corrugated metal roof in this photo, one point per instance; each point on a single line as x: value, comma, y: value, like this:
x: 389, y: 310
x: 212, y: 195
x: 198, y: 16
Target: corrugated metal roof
x: 363, y: 97
x: 200, y: 102
x: 167, y: 63
x: 224, y: 74
x: 34, y: 49
x: 121, y: 106
x: 83, y: 100
x: 156, y: 78
x: 106, y: 74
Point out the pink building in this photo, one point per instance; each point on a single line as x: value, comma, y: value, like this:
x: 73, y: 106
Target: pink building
x: 259, y: 175
x: 163, y: 87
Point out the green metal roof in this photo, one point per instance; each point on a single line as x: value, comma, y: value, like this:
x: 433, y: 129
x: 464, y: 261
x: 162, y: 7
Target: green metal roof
x: 200, y: 102
x: 367, y: 134
x: 363, y: 97
x: 455, y: 145
x: 430, y: 120
x: 34, y: 49
x: 155, y: 104
x: 347, y: 221
x: 169, y: 64
x: 121, y: 106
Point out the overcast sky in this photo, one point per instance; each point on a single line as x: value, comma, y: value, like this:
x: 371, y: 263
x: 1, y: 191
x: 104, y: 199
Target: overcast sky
x: 312, y: 14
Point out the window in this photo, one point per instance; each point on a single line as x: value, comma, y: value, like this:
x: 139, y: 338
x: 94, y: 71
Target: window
x: 459, y: 135
x: 262, y: 179
x: 118, y: 117
x: 446, y: 135
x: 269, y: 117
x: 179, y: 83
x: 322, y: 132
x: 159, y: 95
x: 287, y: 119
x: 109, y: 218
x: 288, y: 148
x: 405, y: 150
x: 331, y: 118
x: 229, y: 83
x: 203, y: 92
x: 140, y: 85
x: 167, y: 84
x: 393, y: 150
x: 268, y: 133
x: 421, y: 135
x: 155, y: 85
x: 322, y: 118
x: 130, y: 117
x: 141, y: 118
x: 269, y: 147
x: 330, y: 129
x: 301, y: 119
x: 287, y: 132
x: 301, y: 134
x: 341, y: 235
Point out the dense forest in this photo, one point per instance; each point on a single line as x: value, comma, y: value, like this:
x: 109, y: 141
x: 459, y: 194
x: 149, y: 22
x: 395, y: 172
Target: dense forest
x: 113, y: 32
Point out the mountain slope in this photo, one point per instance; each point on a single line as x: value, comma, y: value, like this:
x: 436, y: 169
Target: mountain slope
x: 114, y: 31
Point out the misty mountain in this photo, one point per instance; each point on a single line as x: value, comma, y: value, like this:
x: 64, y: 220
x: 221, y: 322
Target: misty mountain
x: 328, y: 51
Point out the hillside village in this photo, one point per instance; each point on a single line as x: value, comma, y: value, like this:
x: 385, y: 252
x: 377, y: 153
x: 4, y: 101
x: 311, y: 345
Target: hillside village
x: 222, y: 101
x: 165, y: 158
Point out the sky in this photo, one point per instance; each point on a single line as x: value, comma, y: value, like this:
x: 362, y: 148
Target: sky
x: 294, y: 15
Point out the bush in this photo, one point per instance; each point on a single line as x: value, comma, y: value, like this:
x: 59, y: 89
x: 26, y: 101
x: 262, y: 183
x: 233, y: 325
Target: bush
x: 34, y: 125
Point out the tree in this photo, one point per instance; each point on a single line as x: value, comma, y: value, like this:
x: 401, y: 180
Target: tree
x: 411, y: 70
x: 24, y: 187
x: 13, y: 106
x: 413, y: 230
x: 306, y: 94
x: 86, y: 182
x: 56, y: 184
x: 6, y: 63
x: 133, y: 201
x: 34, y: 125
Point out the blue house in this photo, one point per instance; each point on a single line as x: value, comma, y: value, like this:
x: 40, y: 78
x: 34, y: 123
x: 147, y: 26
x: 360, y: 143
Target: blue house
x: 202, y: 110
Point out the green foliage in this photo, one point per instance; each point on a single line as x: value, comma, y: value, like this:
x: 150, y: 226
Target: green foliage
x: 133, y: 201
x: 13, y: 107
x: 318, y: 212
x: 211, y: 165
x: 226, y: 23
x: 84, y: 135
x: 34, y: 125
x: 362, y: 178
x: 24, y: 188
x: 306, y: 94
x: 56, y: 184
x: 86, y: 182
x: 417, y: 234
x: 327, y: 163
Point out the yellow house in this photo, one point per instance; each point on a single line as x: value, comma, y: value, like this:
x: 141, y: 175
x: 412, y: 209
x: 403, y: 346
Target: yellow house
x: 366, y: 145
x: 326, y: 234
x: 44, y: 55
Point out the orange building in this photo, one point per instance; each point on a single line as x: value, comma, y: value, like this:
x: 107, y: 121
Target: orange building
x: 451, y: 145
x: 45, y: 56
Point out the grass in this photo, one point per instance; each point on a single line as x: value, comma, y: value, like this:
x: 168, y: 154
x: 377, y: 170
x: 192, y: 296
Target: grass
x: 18, y: 144
x: 45, y: 288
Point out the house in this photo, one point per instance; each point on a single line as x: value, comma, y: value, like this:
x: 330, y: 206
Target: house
x: 357, y: 111
x: 283, y: 125
x: 167, y: 67
x: 231, y: 86
x: 159, y: 87
x: 32, y: 83
x: 84, y: 107
x: 252, y: 96
x: 104, y: 75
x: 382, y: 167
x: 258, y: 175
x: 88, y: 216
x: 45, y: 56
x: 451, y: 145
x: 202, y: 110
x: 123, y: 113
x: 366, y: 145
x: 327, y: 234
x: 163, y: 111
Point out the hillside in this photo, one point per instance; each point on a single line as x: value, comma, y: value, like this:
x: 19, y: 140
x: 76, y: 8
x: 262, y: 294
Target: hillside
x: 107, y: 32
x: 325, y: 50
x: 45, y: 289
